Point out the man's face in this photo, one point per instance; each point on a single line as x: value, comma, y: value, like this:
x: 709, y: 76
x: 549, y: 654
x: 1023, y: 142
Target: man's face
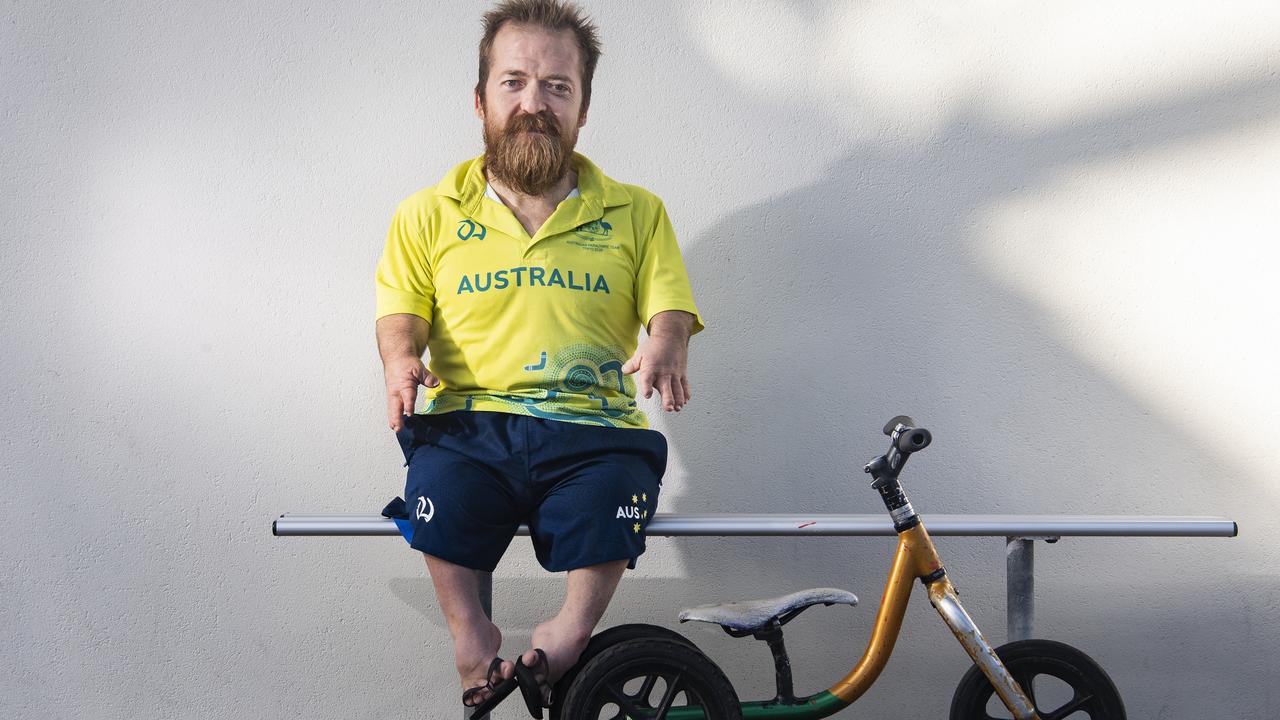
x: 532, y: 108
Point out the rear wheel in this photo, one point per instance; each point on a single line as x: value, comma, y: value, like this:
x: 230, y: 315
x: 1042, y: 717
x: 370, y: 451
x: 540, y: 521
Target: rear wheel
x: 1062, y: 682
x: 602, y: 641
x: 647, y: 678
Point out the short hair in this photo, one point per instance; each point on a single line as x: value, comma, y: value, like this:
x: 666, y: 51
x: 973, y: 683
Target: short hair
x: 550, y: 15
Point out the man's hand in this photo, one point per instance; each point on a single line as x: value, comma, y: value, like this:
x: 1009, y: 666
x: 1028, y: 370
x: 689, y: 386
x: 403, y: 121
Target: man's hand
x: 662, y: 358
x: 402, y: 338
x: 403, y: 378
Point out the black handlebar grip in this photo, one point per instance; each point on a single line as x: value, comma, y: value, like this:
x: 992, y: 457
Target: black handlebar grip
x: 899, y: 420
x: 914, y: 440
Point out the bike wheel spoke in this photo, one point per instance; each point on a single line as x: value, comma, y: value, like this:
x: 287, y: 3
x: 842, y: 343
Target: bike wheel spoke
x: 668, y: 697
x: 996, y: 696
x: 626, y: 702
x: 1076, y: 703
x: 649, y: 681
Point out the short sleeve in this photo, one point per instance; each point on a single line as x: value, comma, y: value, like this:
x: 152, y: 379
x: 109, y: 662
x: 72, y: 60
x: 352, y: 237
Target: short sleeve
x: 403, y: 279
x: 661, y: 282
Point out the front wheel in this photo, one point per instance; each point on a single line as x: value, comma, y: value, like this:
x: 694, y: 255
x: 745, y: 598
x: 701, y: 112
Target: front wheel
x: 1061, y: 681
x: 647, y: 678
x: 603, y: 641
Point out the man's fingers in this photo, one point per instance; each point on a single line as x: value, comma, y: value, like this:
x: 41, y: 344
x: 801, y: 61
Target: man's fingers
x: 644, y: 385
x: 684, y: 382
x: 395, y: 417
x: 664, y: 387
x: 677, y: 390
x: 431, y: 380
x: 631, y: 365
x: 408, y: 399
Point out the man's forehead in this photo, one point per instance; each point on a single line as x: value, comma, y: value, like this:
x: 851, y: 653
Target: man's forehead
x: 523, y: 48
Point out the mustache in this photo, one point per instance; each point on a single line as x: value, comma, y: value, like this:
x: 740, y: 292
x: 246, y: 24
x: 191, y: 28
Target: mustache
x: 542, y: 122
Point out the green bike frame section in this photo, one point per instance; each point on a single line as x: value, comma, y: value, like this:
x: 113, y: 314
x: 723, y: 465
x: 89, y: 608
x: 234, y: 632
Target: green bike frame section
x: 821, y: 705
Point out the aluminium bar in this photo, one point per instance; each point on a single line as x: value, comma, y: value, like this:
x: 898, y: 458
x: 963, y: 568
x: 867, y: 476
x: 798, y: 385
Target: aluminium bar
x: 794, y: 524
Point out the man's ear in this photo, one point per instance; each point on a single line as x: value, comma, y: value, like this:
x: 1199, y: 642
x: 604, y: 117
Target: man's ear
x: 479, y: 104
x: 582, y: 117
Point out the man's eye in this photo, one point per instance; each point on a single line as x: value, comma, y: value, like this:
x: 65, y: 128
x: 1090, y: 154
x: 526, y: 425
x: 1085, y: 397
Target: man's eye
x: 510, y: 83
x: 560, y: 88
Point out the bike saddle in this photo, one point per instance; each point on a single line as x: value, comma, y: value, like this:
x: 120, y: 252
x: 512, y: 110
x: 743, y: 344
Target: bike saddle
x: 743, y: 617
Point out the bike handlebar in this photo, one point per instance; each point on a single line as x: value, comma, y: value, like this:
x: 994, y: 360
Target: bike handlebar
x: 904, y: 420
x: 910, y: 438
x: 906, y: 439
x: 914, y: 439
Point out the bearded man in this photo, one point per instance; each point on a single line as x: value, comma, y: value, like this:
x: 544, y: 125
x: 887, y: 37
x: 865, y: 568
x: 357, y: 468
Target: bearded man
x: 528, y: 273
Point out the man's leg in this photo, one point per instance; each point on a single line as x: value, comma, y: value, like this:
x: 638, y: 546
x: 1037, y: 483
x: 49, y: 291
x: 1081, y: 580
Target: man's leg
x: 476, y: 639
x: 565, y: 636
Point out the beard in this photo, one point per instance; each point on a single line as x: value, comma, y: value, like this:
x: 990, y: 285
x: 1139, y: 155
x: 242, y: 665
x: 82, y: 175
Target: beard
x: 530, y: 154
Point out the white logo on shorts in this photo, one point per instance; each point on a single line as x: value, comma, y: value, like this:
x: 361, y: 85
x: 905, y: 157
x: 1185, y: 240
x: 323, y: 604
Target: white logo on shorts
x: 423, y: 504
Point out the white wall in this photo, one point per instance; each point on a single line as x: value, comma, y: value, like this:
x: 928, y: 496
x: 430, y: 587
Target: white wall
x: 1047, y: 231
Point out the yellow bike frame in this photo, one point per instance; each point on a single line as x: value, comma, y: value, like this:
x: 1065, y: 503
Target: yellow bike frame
x: 917, y: 558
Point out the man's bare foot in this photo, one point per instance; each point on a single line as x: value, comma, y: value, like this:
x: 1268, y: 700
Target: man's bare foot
x: 563, y: 645
x: 474, y: 654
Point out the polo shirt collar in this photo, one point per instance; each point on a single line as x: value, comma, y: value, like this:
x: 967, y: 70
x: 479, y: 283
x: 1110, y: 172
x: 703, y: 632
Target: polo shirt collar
x: 466, y: 183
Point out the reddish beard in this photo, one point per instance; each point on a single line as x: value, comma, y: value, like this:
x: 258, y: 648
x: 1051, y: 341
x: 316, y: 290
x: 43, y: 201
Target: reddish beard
x: 530, y: 155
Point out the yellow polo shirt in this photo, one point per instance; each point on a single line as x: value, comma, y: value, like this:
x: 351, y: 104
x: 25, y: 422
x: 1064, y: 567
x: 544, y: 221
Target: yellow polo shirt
x: 533, y: 325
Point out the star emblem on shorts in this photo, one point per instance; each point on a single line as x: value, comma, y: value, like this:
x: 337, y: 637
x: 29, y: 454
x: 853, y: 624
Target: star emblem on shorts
x: 645, y: 497
x: 635, y: 528
x: 634, y: 499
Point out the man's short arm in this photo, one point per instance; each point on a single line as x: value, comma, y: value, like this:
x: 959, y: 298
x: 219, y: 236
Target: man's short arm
x: 402, y: 335
x: 676, y: 324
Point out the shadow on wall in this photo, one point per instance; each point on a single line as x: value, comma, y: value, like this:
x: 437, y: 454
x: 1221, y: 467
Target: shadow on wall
x: 867, y: 299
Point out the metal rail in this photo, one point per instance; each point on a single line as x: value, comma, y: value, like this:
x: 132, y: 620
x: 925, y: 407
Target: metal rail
x: 1033, y: 527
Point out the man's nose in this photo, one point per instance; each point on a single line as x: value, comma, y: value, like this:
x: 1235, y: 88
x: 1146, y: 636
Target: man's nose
x: 532, y: 100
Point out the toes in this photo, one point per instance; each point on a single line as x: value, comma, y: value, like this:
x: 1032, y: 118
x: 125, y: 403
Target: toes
x: 475, y: 696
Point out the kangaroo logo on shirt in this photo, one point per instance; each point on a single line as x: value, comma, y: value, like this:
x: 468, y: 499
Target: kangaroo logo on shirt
x: 594, y: 230
x: 423, y: 504
x: 468, y: 229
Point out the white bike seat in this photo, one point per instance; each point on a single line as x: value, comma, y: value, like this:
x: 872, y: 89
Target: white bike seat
x: 746, y: 616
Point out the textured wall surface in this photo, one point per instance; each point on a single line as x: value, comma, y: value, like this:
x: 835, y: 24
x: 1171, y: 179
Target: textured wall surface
x: 1047, y: 232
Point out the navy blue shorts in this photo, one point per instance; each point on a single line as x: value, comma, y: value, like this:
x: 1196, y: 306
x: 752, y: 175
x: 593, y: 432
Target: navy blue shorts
x: 587, y: 492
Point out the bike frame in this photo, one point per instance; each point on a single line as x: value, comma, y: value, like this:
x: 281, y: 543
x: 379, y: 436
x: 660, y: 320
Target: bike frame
x: 916, y: 558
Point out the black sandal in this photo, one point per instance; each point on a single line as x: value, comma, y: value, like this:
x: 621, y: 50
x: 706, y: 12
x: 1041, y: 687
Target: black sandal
x: 497, y: 691
x: 536, y: 692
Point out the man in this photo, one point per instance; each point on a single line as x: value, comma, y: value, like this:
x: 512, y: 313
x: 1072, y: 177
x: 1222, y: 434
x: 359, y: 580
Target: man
x: 528, y: 273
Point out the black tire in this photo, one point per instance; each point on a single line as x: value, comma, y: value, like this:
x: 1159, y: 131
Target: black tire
x: 1092, y: 691
x: 606, y: 639
x: 634, y: 677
